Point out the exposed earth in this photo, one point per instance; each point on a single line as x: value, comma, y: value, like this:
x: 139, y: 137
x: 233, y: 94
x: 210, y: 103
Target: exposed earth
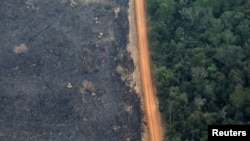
x: 65, y: 72
x: 152, y: 114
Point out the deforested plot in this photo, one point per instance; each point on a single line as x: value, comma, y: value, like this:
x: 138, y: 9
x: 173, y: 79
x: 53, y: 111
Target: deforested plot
x: 65, y: 72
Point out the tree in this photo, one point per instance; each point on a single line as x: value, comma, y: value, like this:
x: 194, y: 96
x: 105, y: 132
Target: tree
x: 159, y: 29
x: 212, y: 68
x: 243, y: 29
x: 152, y: 6
x: 216, y: 24
x: 165, y: 11
x: 229, y: 55
x: 201, y: 63
x: 199, y: 73
x: 226, y: 18
x: 190, y: 13
x: 199, y: 57
x: 165, y: 77
x: 228, y: 37
x: 238, y: 97
x: 236, y: 78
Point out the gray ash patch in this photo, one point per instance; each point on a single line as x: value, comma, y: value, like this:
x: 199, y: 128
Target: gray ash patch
x: 58, y: 77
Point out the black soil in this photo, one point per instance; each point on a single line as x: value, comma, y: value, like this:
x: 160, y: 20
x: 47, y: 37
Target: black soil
x: 59, y: 74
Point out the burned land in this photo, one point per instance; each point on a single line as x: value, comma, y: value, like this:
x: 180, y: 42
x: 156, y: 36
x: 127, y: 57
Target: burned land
x: 64, y: 72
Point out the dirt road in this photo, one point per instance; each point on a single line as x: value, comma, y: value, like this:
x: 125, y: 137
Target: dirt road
x: 149, y: 97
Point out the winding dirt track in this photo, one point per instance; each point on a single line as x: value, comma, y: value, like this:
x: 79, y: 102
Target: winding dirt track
x: 150, y: 102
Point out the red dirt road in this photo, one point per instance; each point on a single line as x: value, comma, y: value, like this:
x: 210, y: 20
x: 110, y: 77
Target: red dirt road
x: 153, y: 118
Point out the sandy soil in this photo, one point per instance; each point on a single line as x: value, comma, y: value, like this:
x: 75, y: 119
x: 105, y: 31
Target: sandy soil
x: 150, y: 104
x: 133, y: 49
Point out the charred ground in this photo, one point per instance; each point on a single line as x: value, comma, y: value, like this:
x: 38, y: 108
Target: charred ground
x: 63, y: 72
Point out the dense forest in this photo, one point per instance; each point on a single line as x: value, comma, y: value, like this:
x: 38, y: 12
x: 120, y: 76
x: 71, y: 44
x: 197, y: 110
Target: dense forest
x: 200, y: 52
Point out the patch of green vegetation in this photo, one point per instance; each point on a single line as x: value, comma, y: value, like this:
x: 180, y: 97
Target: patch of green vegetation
x: 200, y: 53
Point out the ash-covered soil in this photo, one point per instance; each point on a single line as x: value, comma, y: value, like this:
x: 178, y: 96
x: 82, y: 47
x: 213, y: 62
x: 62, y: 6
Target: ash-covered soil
x: 64, y: 72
